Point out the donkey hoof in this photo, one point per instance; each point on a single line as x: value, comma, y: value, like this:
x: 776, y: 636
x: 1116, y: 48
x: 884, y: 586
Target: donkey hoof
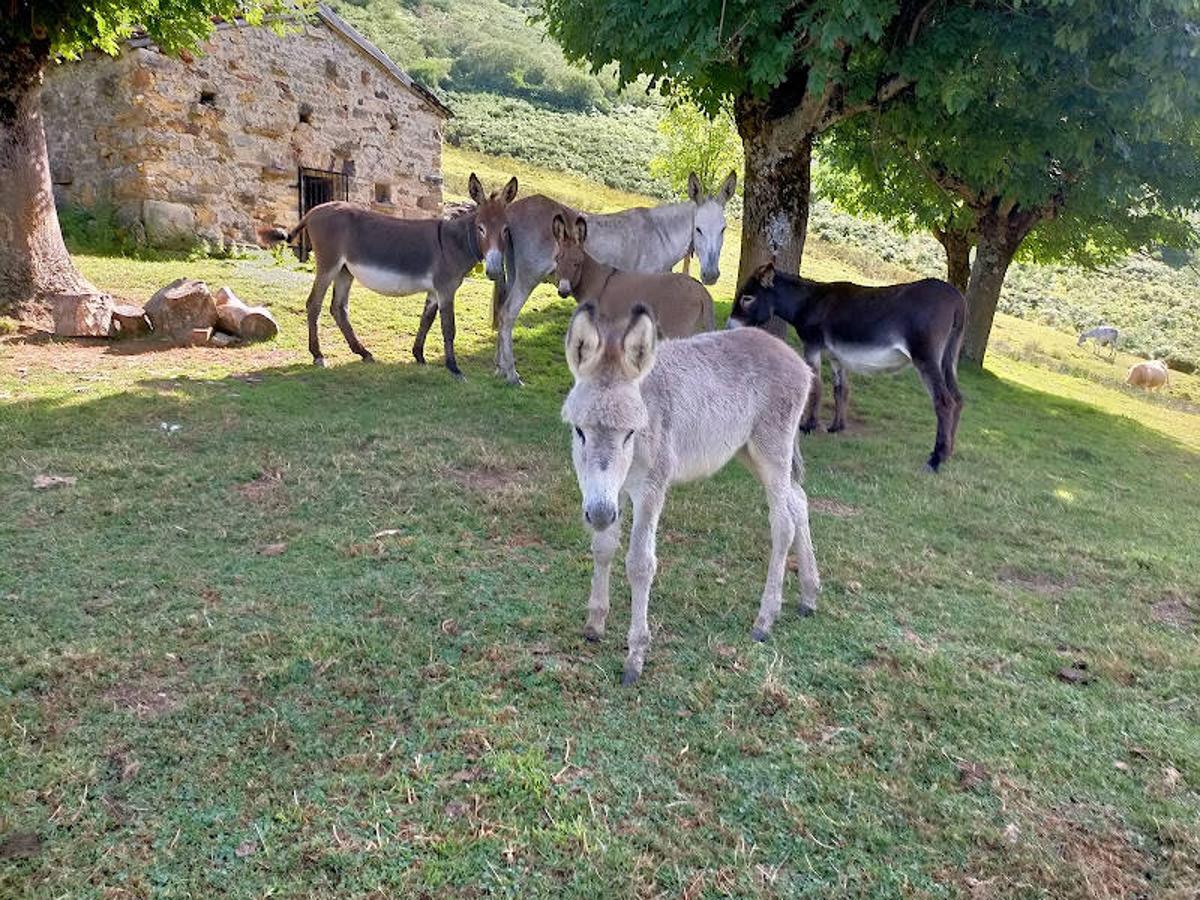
x: 319, y: 362
x: 629, y: 676
x: 835, y: 427
x: 367, y: 357
x: 758, y: 635
x: 807, y: 611
x: 419, y: 356
x: 808, y: 427
x: 932, y: 466
x: 591, y: 634
x: 458, y: 375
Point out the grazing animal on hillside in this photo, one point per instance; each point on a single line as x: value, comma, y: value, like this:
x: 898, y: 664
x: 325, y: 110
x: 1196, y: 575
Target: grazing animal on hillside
x: 649, y: 414
x: 1150, y: 376
x: 681, y: 305
x: 1103, y: 336
x: 633, y: 240
x: 870, y: 330
x: 402, y: 256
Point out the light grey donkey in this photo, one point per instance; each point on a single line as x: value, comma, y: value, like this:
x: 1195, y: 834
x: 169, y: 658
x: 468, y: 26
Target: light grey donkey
x: 1104, y: 336
x: 632, y: 240
x: 648, y: 414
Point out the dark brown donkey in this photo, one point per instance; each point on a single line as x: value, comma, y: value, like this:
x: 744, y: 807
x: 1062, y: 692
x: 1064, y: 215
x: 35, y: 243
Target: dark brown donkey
x: 402, y: 256
x: 867, y: 329
x: 680, y: 303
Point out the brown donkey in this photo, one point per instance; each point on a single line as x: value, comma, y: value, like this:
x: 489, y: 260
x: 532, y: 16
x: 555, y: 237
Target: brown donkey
x: 402, y: 256
x: 681, y: 305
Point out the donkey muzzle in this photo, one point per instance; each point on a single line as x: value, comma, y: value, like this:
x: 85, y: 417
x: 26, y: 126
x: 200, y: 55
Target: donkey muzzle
x: 493, y: 264
x: 564, y: 288
x: 599, y: 514
x: 710, y: 276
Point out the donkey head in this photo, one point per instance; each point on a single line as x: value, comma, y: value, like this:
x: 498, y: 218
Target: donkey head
x: 491, y: 224
x: 755, y: 303
x: 605, y: 407
x: 568, y: 253
x: 708, y: 226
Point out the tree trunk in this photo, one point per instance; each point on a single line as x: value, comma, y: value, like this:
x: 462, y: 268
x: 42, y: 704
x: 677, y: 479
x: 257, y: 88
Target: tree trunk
x: 34, y: 264
x: 776, y: 188
x: 999, y: 236
x: 957, y: 243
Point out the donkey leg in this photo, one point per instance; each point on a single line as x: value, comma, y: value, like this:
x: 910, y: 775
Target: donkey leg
x: 449, y: 328
x: 950, y: 376
x: 604, y: 548
x: 809, y: 422
x: 506, y: 364
x: 802, y: 547
x: 640, y: 566
x: 313, y: 307
x: 427, y: 316
x: 943, y: 408
x: 340, y: 307
x: 841, y: 394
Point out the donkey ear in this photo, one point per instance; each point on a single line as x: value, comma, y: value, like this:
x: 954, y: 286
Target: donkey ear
x: 510, y: 190
x: 727, y: 189
x: 559, y: 227
x: 581, y: 229
x: 583, y: 339
x: 640, y: 341
x: 475, y: 189
x: 694, y: 189
x: 766, y: 275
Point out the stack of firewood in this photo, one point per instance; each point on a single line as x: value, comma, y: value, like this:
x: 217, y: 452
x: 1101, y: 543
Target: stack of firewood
x: 184, y: 312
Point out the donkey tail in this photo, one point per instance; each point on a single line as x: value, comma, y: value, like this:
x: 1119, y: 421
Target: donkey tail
x: 797, y: 461
x: 269, y: 237
x: 955, y: 341
x: 501, y: 287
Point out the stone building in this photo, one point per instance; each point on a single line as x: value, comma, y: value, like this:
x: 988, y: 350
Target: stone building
x: 247, y: 133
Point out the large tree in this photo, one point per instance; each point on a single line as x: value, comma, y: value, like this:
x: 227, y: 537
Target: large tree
x: 1069, y: 133
x: 34, y: 265
x: 792, y: 68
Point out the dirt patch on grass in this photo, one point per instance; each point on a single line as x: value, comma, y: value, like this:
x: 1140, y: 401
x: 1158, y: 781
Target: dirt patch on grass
x: 1043, y: 584
x: 144, y: 701
x: 830, y: 507
x: 267, y: 489
x: 1175, y: 611
x: 20, y: 845
x: 492, y: 478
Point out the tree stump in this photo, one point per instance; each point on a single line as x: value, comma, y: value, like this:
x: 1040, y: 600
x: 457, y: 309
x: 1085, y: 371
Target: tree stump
x: 82, y: 315
x: 182, y: 307
x: 251, y: 323
x: 129, y: 321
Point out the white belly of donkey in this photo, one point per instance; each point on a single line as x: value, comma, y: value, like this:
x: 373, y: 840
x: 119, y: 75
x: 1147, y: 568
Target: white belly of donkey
x: 388, y: 281
x: 870, y: 359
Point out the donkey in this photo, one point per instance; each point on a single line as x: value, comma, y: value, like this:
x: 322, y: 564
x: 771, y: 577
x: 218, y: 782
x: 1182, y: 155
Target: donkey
x: 633, y: 240
x: 1104, y: 336
x: 867, y: 329
x: 681, y: 305
x: 647, y: 415
x: 402, y: 256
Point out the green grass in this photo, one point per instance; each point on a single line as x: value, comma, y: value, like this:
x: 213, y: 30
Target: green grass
x: 323, y: 638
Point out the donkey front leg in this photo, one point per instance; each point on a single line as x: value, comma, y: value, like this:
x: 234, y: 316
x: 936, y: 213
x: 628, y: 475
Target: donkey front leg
x: 340, y: 307
x: 427, y: 316
x: 809, y: 422
x: 313, y: 307
x: 640, y: 566
x: 604, y: 548
x: 506, y: 364
x: 841, y: 394
x: 446, y: 311
x: 783, y: 529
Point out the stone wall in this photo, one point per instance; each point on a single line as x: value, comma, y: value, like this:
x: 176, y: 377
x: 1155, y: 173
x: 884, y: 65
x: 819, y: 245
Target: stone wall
x: 210, y: 145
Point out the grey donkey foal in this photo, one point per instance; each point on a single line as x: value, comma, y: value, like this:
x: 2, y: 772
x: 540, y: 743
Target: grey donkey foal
x: 648, y: 414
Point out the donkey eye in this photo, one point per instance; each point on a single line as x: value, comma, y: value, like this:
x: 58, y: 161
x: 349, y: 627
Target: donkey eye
x: 482, y: 230
x: 628, y: 436
x: 579, y: 431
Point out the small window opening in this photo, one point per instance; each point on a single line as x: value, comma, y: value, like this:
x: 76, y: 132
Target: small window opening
x: 306, y: 113
x: 383, y: 192
x: 208, y: 98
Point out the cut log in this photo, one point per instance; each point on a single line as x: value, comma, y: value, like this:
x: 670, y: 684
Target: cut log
x: 251, y: 323
x: 129, y: 321
x: 198, y: 337
x: 182, y: 307
x: 82, y: 315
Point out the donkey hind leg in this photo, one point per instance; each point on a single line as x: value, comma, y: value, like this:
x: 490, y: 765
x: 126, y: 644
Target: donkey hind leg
x: 841, y: 394
x: 518, y: 293
x: 315, y: 297
x: 640, y: 566
x: 340, y: 307
x: 802, y: 547
x: 771, y: 461
x: 427, y: 316
x: 604, y: 547
x: 944, y: 406
x: 950, y: 376
x: 809, y: 421
x: 449, y: 328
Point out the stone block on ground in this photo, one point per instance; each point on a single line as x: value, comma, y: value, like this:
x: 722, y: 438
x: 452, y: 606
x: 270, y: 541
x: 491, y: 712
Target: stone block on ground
x: 82, y: 315
x: 252, y: 323
x: 181, y: 307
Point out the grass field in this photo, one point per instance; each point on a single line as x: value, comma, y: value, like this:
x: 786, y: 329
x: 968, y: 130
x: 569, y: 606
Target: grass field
x: 299, y: 632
